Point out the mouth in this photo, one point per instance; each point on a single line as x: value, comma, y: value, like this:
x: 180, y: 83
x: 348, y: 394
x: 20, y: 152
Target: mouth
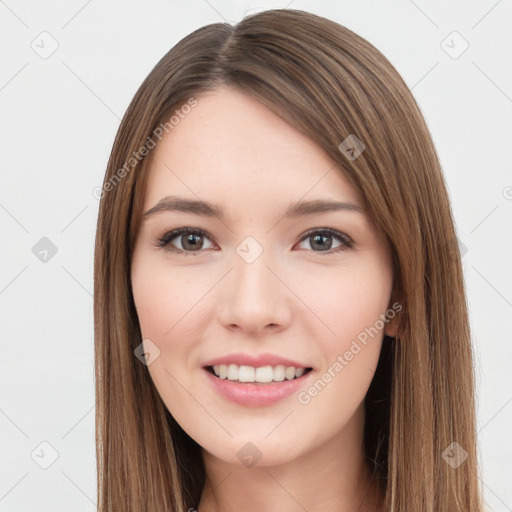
x: 256, y: 375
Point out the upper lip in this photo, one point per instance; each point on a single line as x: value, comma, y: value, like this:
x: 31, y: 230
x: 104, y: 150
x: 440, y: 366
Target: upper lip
x: 256, y: 361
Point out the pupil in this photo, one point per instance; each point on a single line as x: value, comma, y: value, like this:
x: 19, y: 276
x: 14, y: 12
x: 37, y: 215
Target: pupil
x: 324, y: 246
x: 193, y: 239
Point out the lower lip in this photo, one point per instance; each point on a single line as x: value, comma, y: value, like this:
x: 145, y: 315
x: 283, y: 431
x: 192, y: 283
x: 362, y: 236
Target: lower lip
x: 256, y: 395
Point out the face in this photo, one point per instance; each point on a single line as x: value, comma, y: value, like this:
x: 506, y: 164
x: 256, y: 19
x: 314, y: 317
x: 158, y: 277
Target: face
x: 308, y: 289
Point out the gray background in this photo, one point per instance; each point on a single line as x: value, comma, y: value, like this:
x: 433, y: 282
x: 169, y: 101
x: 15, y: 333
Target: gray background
x: 60, y: 113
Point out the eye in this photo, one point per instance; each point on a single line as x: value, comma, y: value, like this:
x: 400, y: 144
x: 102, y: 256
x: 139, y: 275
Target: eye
x: 320, y: 239
x: 191, y: 240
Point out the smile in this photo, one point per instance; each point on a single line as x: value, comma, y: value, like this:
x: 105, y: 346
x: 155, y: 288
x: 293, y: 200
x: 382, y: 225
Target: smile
x: 264, y: 374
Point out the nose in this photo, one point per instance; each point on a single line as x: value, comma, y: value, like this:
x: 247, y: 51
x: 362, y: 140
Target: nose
x: 253, y: 297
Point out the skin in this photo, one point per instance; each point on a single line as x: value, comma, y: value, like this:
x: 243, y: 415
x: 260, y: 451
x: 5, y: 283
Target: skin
x: 295, y: 300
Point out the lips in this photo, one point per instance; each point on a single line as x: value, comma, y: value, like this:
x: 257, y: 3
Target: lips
x: 260, y: 360
x: 255, y: 394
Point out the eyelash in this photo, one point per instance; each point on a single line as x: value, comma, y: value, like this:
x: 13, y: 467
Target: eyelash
x: 164, y: 241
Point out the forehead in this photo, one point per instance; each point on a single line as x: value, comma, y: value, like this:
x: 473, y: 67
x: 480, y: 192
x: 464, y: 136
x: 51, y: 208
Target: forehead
x: 232, y: 148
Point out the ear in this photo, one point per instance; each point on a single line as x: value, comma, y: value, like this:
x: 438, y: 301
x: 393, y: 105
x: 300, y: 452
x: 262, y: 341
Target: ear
x: 394, y: 308
x: 390, y: 329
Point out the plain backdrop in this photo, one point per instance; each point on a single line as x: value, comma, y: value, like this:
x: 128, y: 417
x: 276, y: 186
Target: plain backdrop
x: 69, y: 70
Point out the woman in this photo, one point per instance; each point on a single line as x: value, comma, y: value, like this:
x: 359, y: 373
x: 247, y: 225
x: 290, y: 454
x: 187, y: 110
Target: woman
x: 259, y: 374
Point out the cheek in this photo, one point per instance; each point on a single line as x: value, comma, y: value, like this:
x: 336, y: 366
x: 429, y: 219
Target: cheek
x: 351, y: 308
x: 349, y: 336
x: 348, y: 301
x: 171, y: 307
x: 168, y: 307
x: 167, y: 300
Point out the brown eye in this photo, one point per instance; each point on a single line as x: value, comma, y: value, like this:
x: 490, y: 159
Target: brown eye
x: 189, y: 240
x: 320, y: 240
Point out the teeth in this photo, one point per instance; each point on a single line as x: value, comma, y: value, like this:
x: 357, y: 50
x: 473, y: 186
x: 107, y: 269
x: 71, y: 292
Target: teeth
x: 246, y: 374
x: 251, y: 374
x: 222, y: 370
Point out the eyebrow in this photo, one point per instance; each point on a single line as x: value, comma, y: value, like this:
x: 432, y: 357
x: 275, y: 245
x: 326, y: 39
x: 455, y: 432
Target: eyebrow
x: 295, y: 210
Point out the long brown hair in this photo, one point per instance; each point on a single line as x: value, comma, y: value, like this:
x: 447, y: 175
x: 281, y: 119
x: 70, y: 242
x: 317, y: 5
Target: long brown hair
x: 329, y: 83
